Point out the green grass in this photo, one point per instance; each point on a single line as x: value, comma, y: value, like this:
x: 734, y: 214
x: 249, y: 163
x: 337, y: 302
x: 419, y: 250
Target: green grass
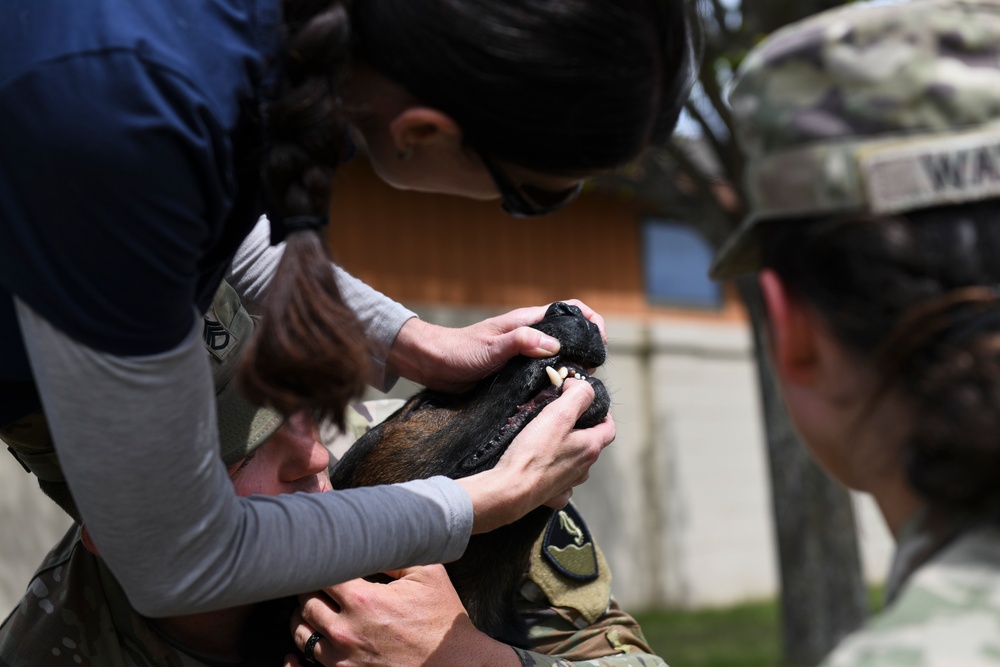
x: 746, y: 635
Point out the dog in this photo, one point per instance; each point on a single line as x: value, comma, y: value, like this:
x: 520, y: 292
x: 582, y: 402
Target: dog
x: 461, y: 434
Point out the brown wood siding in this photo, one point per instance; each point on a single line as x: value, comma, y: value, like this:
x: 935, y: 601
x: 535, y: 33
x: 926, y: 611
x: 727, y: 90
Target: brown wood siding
x: 422, y: 248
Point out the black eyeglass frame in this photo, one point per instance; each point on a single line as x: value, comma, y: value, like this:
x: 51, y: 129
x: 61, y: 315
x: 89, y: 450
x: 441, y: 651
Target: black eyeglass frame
x: 519, y: 204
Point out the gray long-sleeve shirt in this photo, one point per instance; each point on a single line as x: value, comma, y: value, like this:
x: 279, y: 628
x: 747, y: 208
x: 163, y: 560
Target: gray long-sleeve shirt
x: 136, y: 439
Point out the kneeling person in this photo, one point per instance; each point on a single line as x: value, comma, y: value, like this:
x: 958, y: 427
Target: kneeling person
x: 75, y: 613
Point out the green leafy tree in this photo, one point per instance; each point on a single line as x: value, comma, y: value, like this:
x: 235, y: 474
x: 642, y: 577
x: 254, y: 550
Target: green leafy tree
x: 698, y: 179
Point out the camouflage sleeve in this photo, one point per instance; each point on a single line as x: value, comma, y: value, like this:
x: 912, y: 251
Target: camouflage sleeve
x: 529, y: 659
x: 946, y: 615
x: 561, y: 637
x: 565, y: 599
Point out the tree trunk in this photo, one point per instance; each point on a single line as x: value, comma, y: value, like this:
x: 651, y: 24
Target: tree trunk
x: 823, y: 595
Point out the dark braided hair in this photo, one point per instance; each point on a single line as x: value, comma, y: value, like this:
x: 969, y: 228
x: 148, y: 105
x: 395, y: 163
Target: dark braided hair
x: 552, y: 85
x: 309, y: 351
x: 915, y: 296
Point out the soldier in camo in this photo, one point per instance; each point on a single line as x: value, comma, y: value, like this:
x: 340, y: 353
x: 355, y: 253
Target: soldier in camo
x: 74, y: 612
x: 881, y: 124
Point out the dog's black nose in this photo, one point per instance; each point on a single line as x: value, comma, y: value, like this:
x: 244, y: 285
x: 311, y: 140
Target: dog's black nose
x: 560, y: 309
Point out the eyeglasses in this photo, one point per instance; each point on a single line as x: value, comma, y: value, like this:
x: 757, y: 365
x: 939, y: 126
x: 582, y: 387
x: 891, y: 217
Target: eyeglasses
x: 526, y: 201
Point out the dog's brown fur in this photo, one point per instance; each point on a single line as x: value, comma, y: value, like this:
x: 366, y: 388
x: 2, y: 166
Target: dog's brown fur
x: 461, y: 434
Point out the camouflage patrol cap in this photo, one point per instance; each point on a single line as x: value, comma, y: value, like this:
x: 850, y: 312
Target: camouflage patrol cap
x: 243, y: 427
x: 868, y: 110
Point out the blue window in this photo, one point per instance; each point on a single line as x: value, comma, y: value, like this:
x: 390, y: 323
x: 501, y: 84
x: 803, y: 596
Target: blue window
x: 675, y: 262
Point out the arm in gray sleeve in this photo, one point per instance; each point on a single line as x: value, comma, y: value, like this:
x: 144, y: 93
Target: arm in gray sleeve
x: 257, y: 260
x: 136, y: 438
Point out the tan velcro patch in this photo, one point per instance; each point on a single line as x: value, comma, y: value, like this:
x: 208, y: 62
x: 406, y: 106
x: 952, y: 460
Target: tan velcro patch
x: 590, y: 598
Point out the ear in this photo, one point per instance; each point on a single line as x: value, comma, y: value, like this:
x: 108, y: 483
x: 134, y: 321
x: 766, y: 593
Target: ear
x: 792, y: 333
x: 418, y: 126
x: 88, y: 541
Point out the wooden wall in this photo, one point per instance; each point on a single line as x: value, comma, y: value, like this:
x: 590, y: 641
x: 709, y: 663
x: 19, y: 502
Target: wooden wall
x: 421, y: 248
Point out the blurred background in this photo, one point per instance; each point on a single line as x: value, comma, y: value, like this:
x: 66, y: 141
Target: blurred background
x: 731, y: 547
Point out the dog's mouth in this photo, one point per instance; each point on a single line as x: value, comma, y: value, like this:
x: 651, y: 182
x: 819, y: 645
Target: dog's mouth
x: 547, y: 387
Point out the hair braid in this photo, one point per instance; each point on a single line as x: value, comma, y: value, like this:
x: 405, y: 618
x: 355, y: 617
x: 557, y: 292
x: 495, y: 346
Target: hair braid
x: 309, y: 351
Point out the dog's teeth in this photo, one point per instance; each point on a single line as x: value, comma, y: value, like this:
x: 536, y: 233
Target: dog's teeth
x: 563, y: 372
x: 553, y: 376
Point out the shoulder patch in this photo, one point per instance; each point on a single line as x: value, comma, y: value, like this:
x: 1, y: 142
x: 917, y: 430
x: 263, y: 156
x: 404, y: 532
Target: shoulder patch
x: 568, y: 546
x: 569, y: 568
x: 226, y: 324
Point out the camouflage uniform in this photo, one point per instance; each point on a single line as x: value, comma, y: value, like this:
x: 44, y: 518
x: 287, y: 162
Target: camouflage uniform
x: 877, y: 110
x: 944, y: 594
x: 74, y: 614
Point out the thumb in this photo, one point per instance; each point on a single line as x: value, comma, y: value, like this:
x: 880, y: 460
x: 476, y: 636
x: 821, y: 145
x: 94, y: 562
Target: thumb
x: 577, y: 395
x: 419, y: 572
x: 402, y: 572
x: 527, y: 341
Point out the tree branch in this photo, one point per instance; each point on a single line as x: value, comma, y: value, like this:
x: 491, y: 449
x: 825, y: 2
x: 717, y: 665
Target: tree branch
x: 719, y: 12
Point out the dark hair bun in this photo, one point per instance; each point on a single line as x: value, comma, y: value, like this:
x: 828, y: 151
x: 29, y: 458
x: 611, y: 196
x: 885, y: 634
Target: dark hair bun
x: 954, y: 458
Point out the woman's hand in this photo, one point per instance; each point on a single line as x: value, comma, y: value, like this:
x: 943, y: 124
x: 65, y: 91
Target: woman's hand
x: 416, y: 619
x: 450, y: 359
x: 543, y: 464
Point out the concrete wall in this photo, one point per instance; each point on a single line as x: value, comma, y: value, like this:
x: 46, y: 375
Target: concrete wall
x: 680, y: 502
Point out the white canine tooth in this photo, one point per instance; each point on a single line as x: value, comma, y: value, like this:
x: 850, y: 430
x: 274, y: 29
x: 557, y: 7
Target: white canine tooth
x: 563, y: 372
x: 554, y: 376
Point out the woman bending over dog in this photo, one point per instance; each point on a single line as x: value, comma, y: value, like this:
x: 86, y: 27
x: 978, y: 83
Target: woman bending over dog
x: 142, y: 142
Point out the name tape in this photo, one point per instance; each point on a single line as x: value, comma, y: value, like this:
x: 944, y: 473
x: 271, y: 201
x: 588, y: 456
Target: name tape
x: 937, y: 171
